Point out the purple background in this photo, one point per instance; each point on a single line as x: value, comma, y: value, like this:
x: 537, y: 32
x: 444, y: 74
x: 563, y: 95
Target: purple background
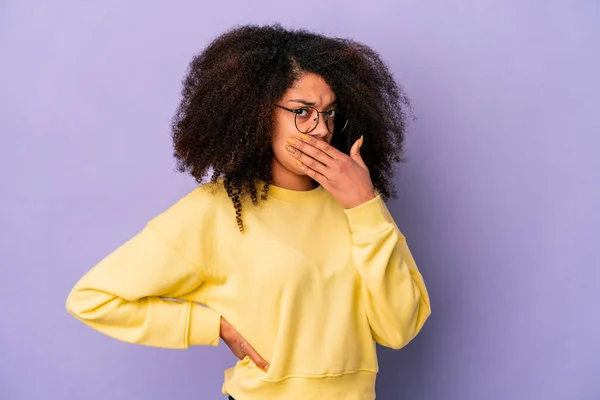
x: 499, y: 198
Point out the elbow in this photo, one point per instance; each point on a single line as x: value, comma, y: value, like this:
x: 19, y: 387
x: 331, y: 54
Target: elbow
x: 407, y: 328
x: 75, y: 304
x: 398, y: 344
x: 395, y: 339
x: 422, y: 313
x: 87, y: 304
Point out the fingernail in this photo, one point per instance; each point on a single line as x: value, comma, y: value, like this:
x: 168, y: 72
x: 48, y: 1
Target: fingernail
x: 304, y: 137
x: 266, y: 368
x: 360, y: 141
x: 298, y: 162
x: 292, y: 140
x: 290, y: 149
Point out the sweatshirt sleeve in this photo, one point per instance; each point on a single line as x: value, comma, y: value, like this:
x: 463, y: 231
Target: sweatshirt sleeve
x: 132, y: 294
x: 395, y: 296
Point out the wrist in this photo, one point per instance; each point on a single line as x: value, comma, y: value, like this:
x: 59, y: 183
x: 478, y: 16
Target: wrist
x: 361, y: 200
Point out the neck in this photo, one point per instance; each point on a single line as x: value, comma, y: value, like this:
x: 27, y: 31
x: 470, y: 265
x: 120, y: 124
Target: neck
x: 286, y: 179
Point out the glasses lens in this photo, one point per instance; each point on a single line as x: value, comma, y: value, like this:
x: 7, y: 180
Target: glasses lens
x: 307, y: 119
x: 336, y: 121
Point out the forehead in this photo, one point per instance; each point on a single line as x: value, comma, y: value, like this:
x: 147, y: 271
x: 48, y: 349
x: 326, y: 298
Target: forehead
x: 311, y: 87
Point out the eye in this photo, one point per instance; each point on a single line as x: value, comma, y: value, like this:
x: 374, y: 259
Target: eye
x: 301, y: 112
x: 331, y: 113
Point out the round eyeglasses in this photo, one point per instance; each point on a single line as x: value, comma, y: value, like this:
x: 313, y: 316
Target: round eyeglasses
x: 306, y: 119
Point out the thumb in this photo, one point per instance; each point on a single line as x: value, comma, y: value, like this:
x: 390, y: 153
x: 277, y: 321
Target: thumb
x: 355, y: 152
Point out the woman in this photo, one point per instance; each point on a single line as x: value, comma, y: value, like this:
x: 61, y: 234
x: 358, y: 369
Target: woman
x: 289, y: 254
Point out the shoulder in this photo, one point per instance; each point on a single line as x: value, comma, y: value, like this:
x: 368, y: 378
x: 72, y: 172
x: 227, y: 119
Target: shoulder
x: 198, y: 209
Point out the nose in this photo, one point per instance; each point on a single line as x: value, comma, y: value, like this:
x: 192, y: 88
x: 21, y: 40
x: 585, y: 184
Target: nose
x: 320, y: 130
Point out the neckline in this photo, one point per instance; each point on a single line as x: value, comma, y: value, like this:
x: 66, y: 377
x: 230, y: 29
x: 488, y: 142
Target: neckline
x: 296, y: 196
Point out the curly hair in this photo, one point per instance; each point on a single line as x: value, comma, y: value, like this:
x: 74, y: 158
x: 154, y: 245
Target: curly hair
x: 225, y: 117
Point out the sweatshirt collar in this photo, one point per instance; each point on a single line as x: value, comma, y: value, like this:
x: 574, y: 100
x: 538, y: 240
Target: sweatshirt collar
x: 296, y: 196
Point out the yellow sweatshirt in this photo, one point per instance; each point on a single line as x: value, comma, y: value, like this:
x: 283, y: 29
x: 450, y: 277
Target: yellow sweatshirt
x: 310, y: 285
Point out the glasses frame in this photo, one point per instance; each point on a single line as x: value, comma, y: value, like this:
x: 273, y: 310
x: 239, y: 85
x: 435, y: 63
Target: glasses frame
x: 293, y: 111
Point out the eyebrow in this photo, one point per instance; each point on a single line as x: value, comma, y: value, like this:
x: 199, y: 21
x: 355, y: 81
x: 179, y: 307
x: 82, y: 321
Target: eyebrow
x: 310, y: 103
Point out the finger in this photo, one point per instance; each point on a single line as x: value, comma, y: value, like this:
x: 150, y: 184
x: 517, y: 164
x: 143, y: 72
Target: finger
x: 238, y: 349
x: 255, y: 357
x: 323, y: 146
x: 308, y: 161
x: 311, y: 150
x: 238, y: 353
x: 355, y: 153
x: 322, y: 179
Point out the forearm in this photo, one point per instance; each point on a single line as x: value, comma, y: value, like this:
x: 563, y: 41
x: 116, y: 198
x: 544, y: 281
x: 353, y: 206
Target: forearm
x: 151, y: 321
x: 126, y: 296
x: 396, y: 300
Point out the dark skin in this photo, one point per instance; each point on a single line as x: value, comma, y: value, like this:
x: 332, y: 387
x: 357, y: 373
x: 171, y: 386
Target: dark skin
x: 301, y: 158
x: 239, y: 346
x: 229, y: 119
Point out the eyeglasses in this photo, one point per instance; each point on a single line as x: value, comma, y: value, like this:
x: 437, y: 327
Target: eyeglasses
x: 306, y: 119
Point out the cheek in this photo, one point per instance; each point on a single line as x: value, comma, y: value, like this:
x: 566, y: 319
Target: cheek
x: 281, y: 131
x: 277, y: 146
x: 278, y: 142
x: 278, y: 130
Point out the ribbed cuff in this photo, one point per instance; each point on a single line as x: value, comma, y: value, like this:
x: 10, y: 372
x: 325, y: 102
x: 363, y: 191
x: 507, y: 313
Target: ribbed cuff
x: 204, y: 326
x: 369, y: 218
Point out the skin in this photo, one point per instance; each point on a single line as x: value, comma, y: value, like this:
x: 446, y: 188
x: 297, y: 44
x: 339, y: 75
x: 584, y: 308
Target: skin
x: 302, y: 159
x: 312, y: 89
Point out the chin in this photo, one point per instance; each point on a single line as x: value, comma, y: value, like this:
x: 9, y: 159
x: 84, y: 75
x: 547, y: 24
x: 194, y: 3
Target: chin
x: 296, y: 170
